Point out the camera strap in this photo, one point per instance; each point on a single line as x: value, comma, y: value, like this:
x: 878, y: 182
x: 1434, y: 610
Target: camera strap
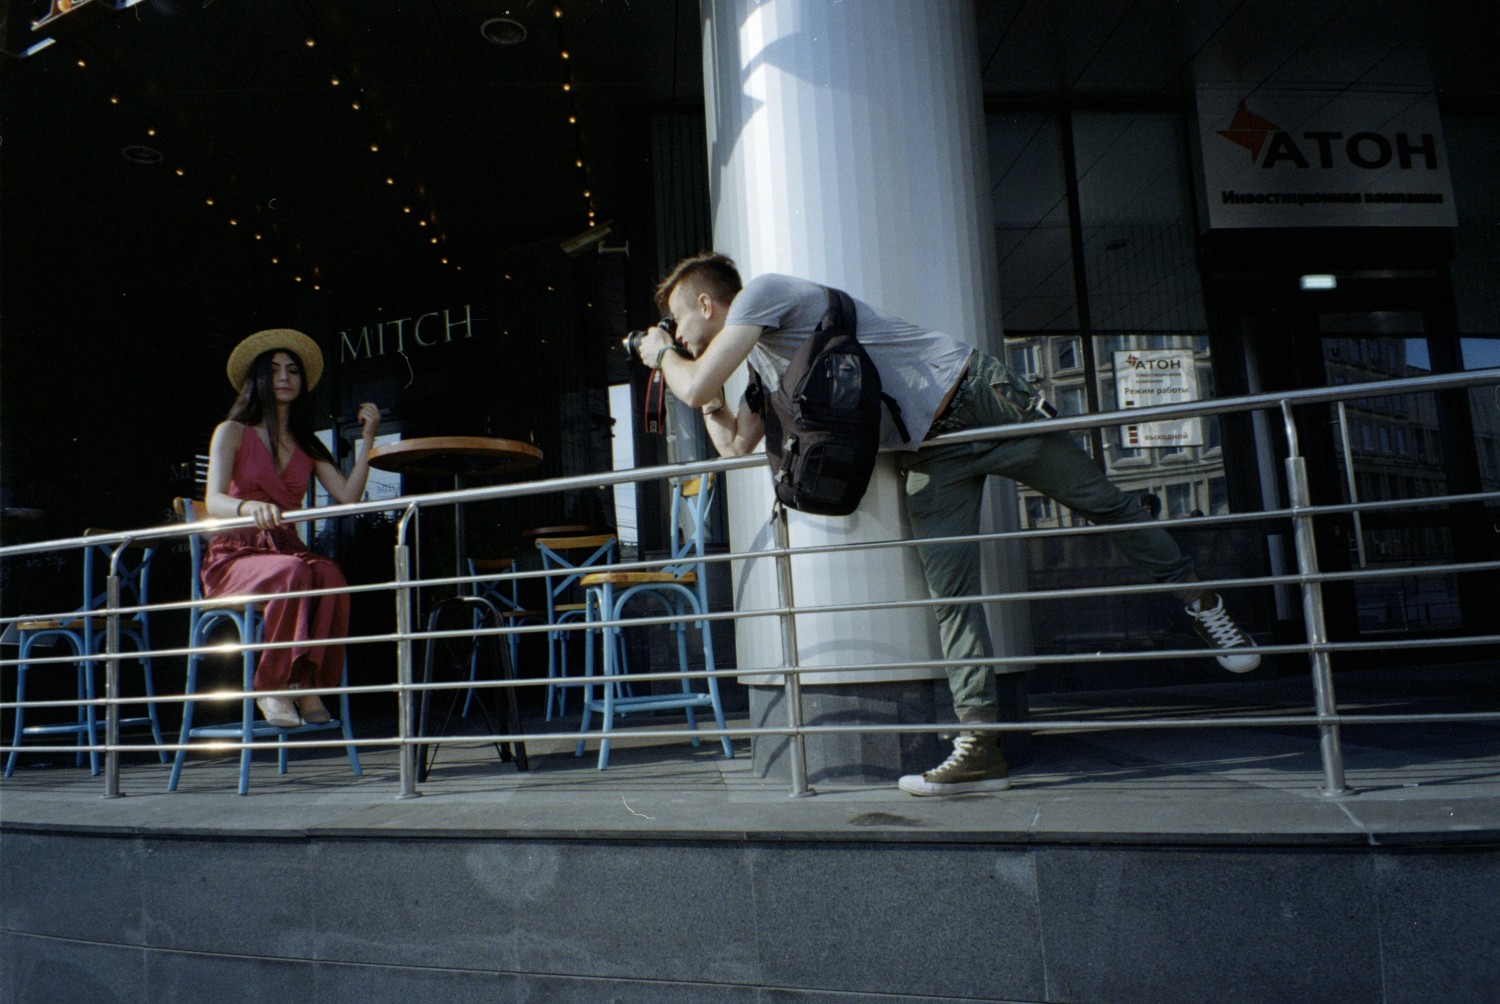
x: 654, y: 407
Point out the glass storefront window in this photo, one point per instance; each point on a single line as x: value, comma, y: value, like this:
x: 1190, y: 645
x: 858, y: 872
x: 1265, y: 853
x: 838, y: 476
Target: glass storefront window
x: 1136, y: 226
x: 1484, y: 405
x: 1032, y: 235
x: 1473, y: 143
x: 1138, y: 287
x: 622, y: 455
x: 1137, y: 223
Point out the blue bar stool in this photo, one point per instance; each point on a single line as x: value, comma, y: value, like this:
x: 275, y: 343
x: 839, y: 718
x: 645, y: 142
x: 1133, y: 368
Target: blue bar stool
x: 84, y: 632
x: 679, y: 588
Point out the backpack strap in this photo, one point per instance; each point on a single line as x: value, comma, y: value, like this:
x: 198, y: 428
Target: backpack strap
x: 755, y: 394
x: 842, y: 304
x: 895, y: 410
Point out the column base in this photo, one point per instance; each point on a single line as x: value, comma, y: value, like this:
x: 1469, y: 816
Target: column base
x: 873, y: 758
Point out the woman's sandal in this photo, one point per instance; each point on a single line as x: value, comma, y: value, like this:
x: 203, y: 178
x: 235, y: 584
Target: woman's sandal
x: 312, y: 709
x: 279, y: 712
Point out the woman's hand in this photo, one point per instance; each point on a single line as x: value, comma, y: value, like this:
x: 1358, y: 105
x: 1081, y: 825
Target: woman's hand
x: 369, y: 421
x: 265, y: 514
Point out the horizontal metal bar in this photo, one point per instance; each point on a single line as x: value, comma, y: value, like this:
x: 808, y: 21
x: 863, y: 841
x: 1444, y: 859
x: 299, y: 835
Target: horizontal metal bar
x: 1030, y: 726
x: 1128, y: 656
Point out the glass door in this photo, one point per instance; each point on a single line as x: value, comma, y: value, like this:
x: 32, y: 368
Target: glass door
x: 1370, y: 451
x: 1388, y: 447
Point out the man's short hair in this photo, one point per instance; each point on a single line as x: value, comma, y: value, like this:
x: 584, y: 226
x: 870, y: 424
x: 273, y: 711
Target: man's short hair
x: 709, y: 272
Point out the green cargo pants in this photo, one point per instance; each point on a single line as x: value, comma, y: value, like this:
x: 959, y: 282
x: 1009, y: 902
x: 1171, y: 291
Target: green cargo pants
x: 944, y: 486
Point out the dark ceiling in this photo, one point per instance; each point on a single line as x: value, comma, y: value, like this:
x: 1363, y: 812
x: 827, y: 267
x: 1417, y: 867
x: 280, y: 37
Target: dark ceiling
x: 259, y: 142
x: 220, y: 145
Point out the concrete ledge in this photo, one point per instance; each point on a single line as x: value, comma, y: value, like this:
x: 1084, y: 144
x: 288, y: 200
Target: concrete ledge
x: 1123, y: 866
x: 150, y: 918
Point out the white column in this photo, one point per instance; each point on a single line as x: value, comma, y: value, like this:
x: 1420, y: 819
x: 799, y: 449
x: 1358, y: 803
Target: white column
x: 846, y: 145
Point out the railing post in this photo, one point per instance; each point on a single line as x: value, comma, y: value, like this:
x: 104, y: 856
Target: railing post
x: 407, y: 751
x: 111, y: 676
x: 1300, y: 496
x: 789, y: 653
x: 1351, y: 484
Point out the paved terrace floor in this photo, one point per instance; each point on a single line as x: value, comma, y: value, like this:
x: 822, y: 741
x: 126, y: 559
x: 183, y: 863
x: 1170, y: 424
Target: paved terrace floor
x: 1413, y: 784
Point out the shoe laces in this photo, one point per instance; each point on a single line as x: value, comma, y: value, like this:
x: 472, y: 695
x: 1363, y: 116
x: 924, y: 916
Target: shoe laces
x: 963, y: 748
x: 1219, y: 625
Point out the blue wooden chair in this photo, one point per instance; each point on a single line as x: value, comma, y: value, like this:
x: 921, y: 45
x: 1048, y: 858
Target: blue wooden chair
x: 679, y: 588
x: 245, y: 619
x: 569, y: 558
x: 84, y: 632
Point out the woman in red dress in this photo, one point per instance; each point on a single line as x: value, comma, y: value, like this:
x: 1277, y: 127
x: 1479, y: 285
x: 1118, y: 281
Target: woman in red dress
x: 260, y: 463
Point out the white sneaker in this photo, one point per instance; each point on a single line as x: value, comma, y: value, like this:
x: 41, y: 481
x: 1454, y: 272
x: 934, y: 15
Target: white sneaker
x: 976, y: 764
x: 1219, y: 631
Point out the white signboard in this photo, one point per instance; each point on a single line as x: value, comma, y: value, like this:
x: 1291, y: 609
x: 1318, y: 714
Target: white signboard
x: 1146, y: 378
x: 1323, y: 159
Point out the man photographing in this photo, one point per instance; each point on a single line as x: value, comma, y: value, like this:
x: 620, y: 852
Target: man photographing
x: 942, y: 385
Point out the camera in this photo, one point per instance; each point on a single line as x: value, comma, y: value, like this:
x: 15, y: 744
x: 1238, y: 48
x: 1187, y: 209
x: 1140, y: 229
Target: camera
x: 632, y: 341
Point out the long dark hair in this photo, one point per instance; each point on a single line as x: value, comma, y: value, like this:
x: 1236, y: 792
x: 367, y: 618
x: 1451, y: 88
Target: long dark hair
x: 257, y: 403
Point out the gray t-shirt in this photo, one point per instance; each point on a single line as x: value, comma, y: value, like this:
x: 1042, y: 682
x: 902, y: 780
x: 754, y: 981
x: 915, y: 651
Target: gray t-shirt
x: 917, y: 366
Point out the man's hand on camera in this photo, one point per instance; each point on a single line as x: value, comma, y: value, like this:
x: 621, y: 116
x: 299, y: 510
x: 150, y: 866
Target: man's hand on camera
x: 654, y: 344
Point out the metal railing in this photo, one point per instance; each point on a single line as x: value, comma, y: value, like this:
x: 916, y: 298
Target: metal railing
x: 1299, y: 513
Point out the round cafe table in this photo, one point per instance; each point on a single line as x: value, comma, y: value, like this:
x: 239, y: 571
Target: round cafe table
x: 456, y: 457
x: 459, y: 457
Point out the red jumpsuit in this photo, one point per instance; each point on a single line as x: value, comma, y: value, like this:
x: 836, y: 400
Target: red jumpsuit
x: 277, y: 561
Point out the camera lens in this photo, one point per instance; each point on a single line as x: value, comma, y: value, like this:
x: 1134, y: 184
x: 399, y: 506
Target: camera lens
x: 632, y: 341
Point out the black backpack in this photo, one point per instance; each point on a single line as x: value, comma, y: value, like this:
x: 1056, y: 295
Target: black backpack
x: 823, y: 423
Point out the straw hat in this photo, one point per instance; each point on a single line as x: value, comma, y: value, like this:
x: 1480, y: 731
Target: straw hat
x: 269, y: 340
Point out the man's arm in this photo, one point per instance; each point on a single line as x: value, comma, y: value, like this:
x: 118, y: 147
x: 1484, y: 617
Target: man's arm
x: 696, y: 382
x: 734, y: 431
